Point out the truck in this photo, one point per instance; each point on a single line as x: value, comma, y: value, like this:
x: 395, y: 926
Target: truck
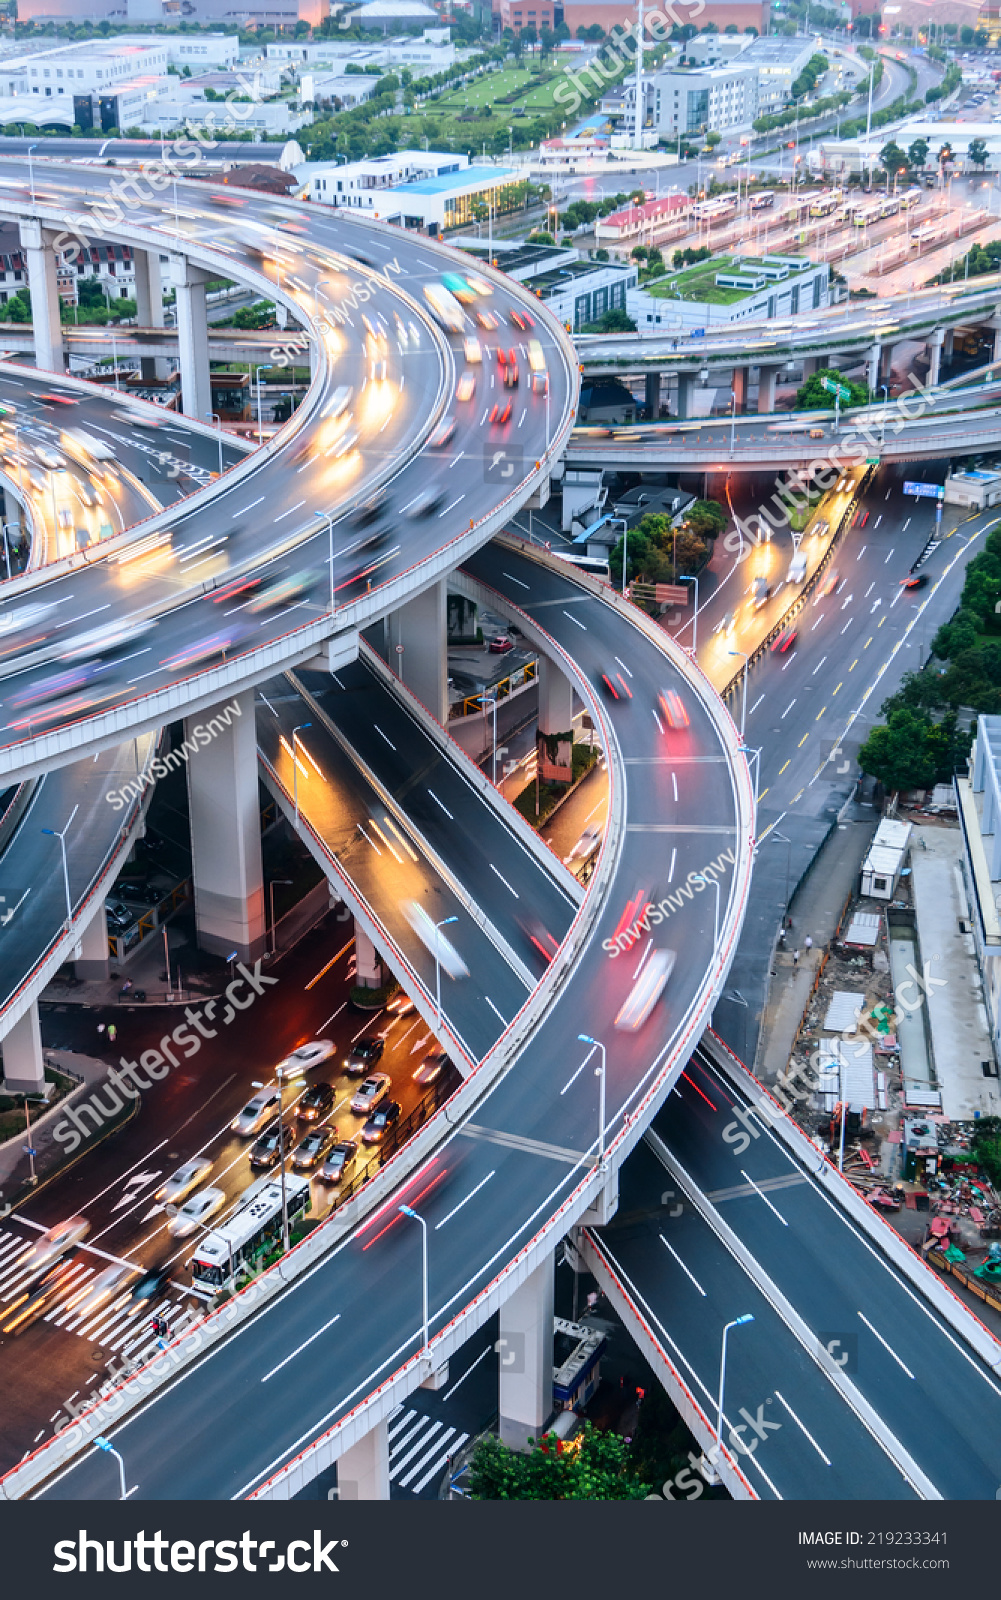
x: 797, y: 568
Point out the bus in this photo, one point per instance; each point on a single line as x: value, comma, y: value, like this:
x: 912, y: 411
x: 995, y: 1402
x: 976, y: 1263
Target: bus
x: 597, y: 565
x: 888, y: 207
x: 825, y: 204
x: 255, y: 1226
x: 714, y: 210
x: 911, y: 197
x: 445, y: 308
x: 763, y: 198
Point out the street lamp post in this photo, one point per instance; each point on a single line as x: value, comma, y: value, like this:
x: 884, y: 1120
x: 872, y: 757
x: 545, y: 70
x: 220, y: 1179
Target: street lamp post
x: 437, y: 965
x: 738, y: 1322
x: 105, y: 1444
x: 283, y: 1079
x: 882, y: 416
x: 491, y: 700
x: 743, y: 700
x: 415, y: 1216
x: 330, y: 534
x: 215, y: 417
x: 599, y: 1072
x: 691, y: 578
x: 295, y: 768
x: 54, y: 833
x: 271, y: 892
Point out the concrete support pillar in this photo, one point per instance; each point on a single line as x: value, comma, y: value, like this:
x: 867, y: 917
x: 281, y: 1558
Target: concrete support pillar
x: 652, y: 380
x: 555, y: 698
x: 23, y: 1063
x: 686, y: 385
x: 36, y: 243
x: 886, y: 364
x: 740, y: 386
x: 872, y: 368
x: 936, y: 340
x: 149, y: 307
x: 420, y: 627
x: 226, y: 831
x: 995, y: 326
x: 810, y: 365
x: 363, y: 1471
x: 193, y: 338
x: 526, y: 1358
x: 368, y: 968
x: 949, y: 337
x: 93, y: 959
x: 767, y: 380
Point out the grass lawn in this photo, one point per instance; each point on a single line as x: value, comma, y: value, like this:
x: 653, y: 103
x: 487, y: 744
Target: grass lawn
x: 698, y: 283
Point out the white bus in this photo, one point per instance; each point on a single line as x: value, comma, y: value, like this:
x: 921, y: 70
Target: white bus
x: 763, y: 198
x: 597, y: 565
x: 256, y: 1224
x: 445, y: 308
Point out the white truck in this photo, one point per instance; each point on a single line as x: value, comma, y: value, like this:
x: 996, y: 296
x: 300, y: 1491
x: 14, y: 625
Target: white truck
x: 797, y: 568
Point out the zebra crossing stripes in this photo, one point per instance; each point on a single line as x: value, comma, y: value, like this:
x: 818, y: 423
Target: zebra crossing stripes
x: 419, y: 1448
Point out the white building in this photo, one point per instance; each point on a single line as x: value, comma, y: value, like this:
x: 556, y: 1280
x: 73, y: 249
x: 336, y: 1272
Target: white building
x: 716, y: 49
x: 201, y: 50
x: 845, y: 156
x: 92, y: 67
x: 430, y: 190
x: 693, y: 101
x: 165, y: 112
x: 979, y: 804
x: 761, y: 288
x: 779, y: 63
x: 323, y: 88
x: 432, y: 52
x: 884, y: 863
x: 576, y: 288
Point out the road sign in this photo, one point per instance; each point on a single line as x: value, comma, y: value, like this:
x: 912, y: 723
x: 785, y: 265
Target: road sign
x: 670, y: 594
x: 872, y: 461
x: 924, y: 491
x: 837, y: 389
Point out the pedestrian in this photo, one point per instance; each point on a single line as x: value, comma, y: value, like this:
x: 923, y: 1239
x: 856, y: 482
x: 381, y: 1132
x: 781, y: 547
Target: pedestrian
x: 782, y: 938
x: 112, y: 1033
x: 788, y: 922
x: 795, y: 958
x: 808, y: 943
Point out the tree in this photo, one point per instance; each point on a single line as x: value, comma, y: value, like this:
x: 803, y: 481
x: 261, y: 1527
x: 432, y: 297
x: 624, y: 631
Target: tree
x: 594, y: 1466
x: 705, y: 518
x: 712, y: 137
x: 966, y: 34
x: 616, y: 321
x: 812, y: 396
x: 977, y: 152
x: 917, y: 153
x: 901, y: 752
x: 892, y: 159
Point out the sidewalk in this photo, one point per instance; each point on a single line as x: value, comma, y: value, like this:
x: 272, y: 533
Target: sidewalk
x: 50, y: 1155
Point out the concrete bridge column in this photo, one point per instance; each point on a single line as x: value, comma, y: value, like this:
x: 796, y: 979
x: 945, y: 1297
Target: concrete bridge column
x: 193, y: 338
x: 947, y: 346
x: 767, y: 380
x: 363, y: 1471
x: 936, y: 340
x: 224, y: 808
x: 555, y: 698
x: 420, y: 627
x: 525, y: 1366
x: 995, y: 326
x: 93, y: 958
x: 23, y: 1062
x: 149, y: 308
x: 652, y: 381
x: 368, y: 968
x: 36, y: 243
x: 886, y: 363
x: 740, y: 387
x: 686, y: 385
x: 810, y: 365
x: 872, y: 367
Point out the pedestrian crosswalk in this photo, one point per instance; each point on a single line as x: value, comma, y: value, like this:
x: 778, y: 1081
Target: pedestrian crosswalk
x: 116, y: 1326
x: 419, y: 1448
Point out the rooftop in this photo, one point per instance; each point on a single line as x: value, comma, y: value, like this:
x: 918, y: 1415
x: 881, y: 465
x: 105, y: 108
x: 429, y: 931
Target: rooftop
x: 698, y: 283
x: 476, y: 177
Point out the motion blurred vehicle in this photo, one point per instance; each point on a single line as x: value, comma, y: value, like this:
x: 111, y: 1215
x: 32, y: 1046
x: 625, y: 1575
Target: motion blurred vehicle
x: 673, y: 707
x: 317, y: 1100
x: 459, y: 287
x: 443, y: 433
x: 50, y: 458
x: 500, y: 644
x: 137, y: 419
x: 97, y: 1291
x: 204, y: 649
x: 646, y: 990
x: 283, y: 592
x: 538, y: 382
x: 588, y: 842
x: 311, y: 1150
x: 759, y: 592
x: 372, y: 1092
x: 308, y: 1055
x: 797, y: 568
x: 400, y: 1006
x: 619, y: 690
x: 265, y: 1151
x: 431, y: 1068
x: 265, y: 1104
x: 112, y: 636
x: 726, y: 624
x: 466, y: 387
x: 376, y: 1127
x: 828, y: 586
x: 511, y: 373
x: 445, y: 308
x: 14, y: 623
x: 434, y: 939
x: 785, y: 641
x: 471, y: 349
x: 186, y: 1178
x: 33, y: 1303
x: 488, y: 320
x: 916, y: 580
x: 54, y: 1243
x: 52, y: 399
x: 367, y: 510
x: 500, y: 415
x: 195, y: 1212
x: 338, y: 1161
x: 363, y: 1055
x: 429, y: 501
x: 151, y: 1284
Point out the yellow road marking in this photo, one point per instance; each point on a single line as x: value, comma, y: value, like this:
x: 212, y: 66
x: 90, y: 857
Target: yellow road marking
x: 802, y: 742
x: 782, y: 769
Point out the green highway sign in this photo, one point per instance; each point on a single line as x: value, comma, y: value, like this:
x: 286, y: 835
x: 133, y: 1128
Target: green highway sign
x: 837, y: 389
x: 872, y: 461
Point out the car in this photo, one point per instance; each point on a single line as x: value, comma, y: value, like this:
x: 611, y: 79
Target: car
x: 309, y: 1152
x: 511, y: 375
x: 426, y: 503
x: 59, y: 399
x: 673, y: 707
x: 369, y: 509
x: 35, y: 1299
x: 363, y: 1055
x: 914, y: 580
x: 472, y: 349
x: 118, y: 913
x: 97, y: 1291
x: 50, y: 458
x: 487, y: 320
x: 500, y: 415
x: 266, y: 1150
x: 181, y: 1182
x: 305, y: 1056
x: 443, y: 433
x: 372, y: 1092
x: 784, y: 641
x: 338, y: 1161
x: 646, y: 990
x: 431, y: 1067
x: 317, y: 1099
x: 538, y: 382
x: 522, y: 320
x: 586, y: 844
x: 400, y: 1006
x: 500, y: 644
x: 828, y: 586
x: 380, y: 1121
x: 622, y: 692
x: 265, y: 1104
x: 816, y: 433
x: 726, y: 624
x: 466, y: 387
x: 54, y: 1243
x: 196, y: 1211
x: 152, y: 1283
x: 865, y: 519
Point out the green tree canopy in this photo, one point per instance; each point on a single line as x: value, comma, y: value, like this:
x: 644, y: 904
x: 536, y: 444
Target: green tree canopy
x: 892, y: 159
x: 594, y: 1466
x: 812, y: 396
x: 977, y: 152
x: 917, y: 152
x: 616, y: 321
x: 908, y: 751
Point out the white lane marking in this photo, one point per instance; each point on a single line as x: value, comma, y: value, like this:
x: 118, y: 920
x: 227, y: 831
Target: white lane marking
x: 512, y: 579
x: 674, y: 782
x: 443, y: 807
x: 384, y: 736
x: 504, y: 881
x: 688, y: 1273
x: 494, y: 1009
x: 451, y: 507
x: 301, y: 1347
x: 887, y: 561
x: 372, y: 842
x: 869, y: 591
x: 426, y: 1434
x: 802, y: 1427
x: 788, y: 709
x: 575, y: 619
x: 624, y: 667
x: 906, y: 525
x: 433, y: 1471
x: 764, y: 1197
x: 817, y: 668
x: 755, y: 705
x: 290, y: 510
x: 888, y: 1347
x: 660, y: 725
x: 450, y: 1392
x: 464, y: 1201
x: 862, y: 552
x: 674, y: 857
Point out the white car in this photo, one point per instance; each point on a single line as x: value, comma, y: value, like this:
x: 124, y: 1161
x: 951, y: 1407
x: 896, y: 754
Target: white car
x: 54, y: 1243
x: 471, y: 345
x: 372, y: 1092
x: 588, y: 841
x: 181, y: 1182
x: 92, y: 1296
x: 265, y: 1105
x: 306, y: 1056
x: 196, y: 1212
